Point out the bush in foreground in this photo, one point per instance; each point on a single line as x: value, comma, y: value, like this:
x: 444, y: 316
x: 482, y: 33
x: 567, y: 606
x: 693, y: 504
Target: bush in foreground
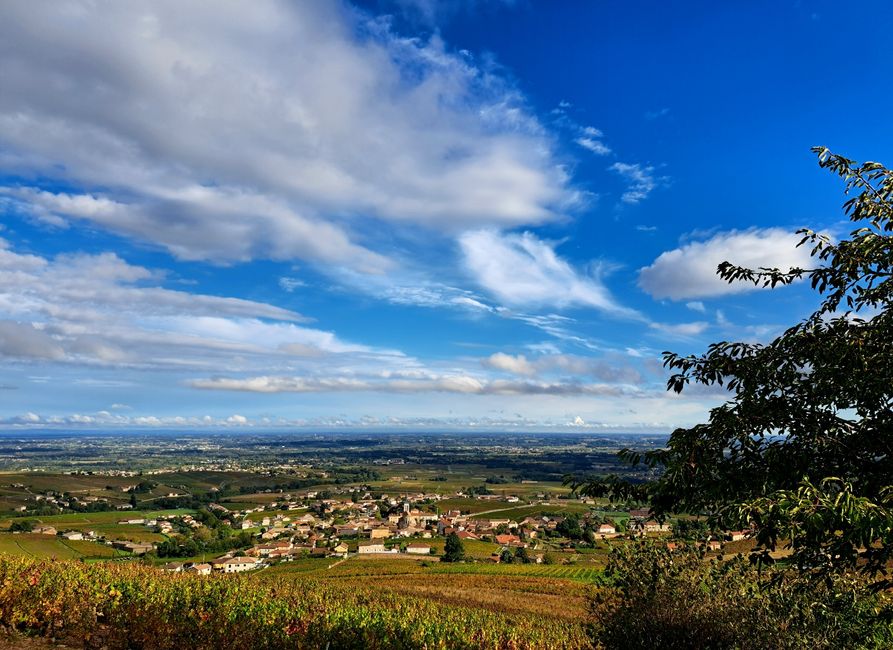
x: 655, y: 597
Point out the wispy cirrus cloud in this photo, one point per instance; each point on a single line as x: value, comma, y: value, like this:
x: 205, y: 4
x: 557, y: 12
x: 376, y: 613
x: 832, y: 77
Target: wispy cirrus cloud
x: 641, y: 180
x: 591, y: 140
x: 522, y: 270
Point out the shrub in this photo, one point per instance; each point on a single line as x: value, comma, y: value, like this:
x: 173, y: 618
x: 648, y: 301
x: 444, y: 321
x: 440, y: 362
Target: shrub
x: 655, y: 597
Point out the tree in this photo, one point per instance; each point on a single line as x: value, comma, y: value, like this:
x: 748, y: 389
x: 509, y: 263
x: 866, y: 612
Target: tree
x: 802, y: 450
x: 454, y: 549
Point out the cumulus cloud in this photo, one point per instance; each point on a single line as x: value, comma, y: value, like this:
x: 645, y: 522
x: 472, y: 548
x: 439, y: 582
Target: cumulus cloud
x: 690, y: 271
x: 522, y: 270
x: 387, y: 423
x: 518, y: 365
x: 227, y: 133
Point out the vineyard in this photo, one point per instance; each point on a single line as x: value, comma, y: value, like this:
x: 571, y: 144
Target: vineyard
x: 127, y: 605
x: 44, y: 546
x: 582, y: 573
x: 548, y: 591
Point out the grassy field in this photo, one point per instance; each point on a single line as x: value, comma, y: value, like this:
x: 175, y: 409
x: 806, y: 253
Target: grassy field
x: 473, y: 548
x: 47, y: 546
x: 537, y: 510
x: 259, y: 516
x: 77, y: 520
x: 468, y: 505
x: 549, y: 591
x: 105, y: 523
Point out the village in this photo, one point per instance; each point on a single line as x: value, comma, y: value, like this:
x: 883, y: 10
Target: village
x: 400, y: 526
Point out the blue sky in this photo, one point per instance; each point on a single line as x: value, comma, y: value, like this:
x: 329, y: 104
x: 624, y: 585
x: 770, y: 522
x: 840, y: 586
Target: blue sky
x: 408, y: 214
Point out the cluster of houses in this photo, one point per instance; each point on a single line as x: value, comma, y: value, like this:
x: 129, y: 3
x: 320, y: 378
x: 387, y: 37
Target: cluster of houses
x: 383, y: 525
x: 162, y: 524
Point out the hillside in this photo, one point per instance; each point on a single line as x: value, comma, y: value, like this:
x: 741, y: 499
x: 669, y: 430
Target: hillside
x: 123, y: 605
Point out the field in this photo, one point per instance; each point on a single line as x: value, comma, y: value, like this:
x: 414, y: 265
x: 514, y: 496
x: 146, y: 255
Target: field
x: 259, y: 516
x: 473, y: 548
x: 553, y: 592
x: 78, y: 520
x: 472, y: 506
x: 47, y: 546
x: 104, y: 523
x: 519, y: 512
x: 548, y: 591
x: 425, y: 479
x: 137, y: 606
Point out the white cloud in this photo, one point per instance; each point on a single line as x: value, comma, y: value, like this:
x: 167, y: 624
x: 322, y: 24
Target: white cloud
x: 696, y: 305
x: 576, y: 366
x: 290, y: 284
x: 101, y: 310
x: 681, y: 329
x: 518, y: 365
x: 641, y: 181
x: 460, y: 384
x: 595, y: 146
x: 690, y: 271
x: 522, y: 270
x: 225, y: 132
x: 24, y: 340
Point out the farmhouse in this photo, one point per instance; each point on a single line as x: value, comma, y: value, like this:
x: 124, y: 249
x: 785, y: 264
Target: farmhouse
x: 379, y: 533
x: 372, y: 547
x: 652, y: 526
x: 418, y: 548
x: 200, y: 568
x: 234, y: 564
x: 607, y: 529
x: 137, y: 548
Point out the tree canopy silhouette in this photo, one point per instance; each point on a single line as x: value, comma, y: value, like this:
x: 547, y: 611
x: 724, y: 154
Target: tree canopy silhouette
x: 802, y: 449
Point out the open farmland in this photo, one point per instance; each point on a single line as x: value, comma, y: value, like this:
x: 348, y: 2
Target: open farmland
x: 47, y: 546
x: 548, y: 591
x: 506, y: 511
